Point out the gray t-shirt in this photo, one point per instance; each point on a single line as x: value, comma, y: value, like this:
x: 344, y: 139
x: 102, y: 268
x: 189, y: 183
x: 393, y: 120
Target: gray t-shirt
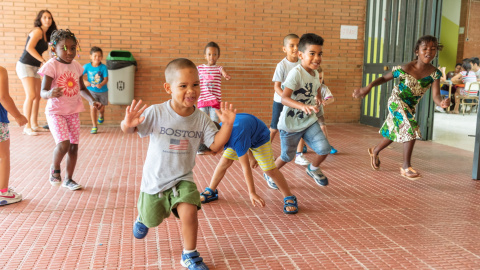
x: 173, y: 146
x: 281, y: 72
x: 305, y: 87
x: 478, y: 74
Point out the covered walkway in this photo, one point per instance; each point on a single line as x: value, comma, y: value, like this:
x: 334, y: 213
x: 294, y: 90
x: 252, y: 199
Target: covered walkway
x: 364, y: 219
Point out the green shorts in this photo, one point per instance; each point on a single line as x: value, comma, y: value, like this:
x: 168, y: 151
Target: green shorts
x: 152, y: 209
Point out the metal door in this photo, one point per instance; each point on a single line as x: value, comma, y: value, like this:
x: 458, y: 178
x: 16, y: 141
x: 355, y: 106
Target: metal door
x: 392, y: 28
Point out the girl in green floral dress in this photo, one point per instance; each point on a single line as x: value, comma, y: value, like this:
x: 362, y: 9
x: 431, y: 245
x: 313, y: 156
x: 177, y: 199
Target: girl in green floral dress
x: 416, y: 77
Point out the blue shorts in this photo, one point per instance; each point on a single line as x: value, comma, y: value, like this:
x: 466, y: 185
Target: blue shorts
x: 313, y: 136
x: 276, y: 111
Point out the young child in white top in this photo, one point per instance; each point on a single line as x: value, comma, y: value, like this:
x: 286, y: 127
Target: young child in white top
x: 176, y: 128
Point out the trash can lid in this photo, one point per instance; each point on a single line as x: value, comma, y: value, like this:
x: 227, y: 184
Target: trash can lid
x: 120, y: 56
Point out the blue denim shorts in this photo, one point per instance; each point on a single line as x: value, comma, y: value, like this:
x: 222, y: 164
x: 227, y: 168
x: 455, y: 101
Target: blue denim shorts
x: 276, y: 111
x: 313, y: 136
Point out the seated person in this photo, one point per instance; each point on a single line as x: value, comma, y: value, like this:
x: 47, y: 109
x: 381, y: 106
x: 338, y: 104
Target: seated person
x: 465, y: 76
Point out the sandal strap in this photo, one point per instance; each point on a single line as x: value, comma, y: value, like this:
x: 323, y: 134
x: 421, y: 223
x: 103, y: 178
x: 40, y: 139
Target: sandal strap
x: 210, y: 191
x: 290, y: 198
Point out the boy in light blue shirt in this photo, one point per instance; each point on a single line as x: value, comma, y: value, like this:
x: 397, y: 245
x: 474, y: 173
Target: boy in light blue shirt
x: 97, y: 78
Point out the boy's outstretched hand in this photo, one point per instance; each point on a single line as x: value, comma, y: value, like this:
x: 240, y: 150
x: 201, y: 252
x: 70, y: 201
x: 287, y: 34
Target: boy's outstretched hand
x: 226, y: 113
x: 256, y: 200
x: 133, y: 114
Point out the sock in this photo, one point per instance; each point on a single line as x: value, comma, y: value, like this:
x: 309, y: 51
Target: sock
x: 298, y: 154
x: 4, y: 190
x: 188, y: 251
x: 312, y: 168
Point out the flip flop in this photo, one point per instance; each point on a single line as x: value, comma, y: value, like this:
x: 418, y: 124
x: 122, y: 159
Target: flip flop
x: 374, y: 162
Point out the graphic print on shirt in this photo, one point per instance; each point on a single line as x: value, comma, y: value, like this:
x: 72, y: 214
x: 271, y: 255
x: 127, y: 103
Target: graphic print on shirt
x: 176, y: 144
x: 97, y: 77
x: 303, y: 95
x: 69, y: 82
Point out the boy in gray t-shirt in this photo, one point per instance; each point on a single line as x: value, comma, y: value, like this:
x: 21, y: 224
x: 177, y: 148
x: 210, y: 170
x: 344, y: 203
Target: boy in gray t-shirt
x: 176, y: 129
x: 298, y: 119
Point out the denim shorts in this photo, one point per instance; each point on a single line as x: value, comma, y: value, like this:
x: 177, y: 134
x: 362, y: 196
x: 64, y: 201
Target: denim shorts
x: 210, y: 111
x: 24, y: 70
x: 276, y: 111
x: 313, y: 136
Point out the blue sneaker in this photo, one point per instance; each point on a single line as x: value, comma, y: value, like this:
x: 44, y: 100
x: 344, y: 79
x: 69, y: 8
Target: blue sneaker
x: 304, y: 150
x: 270, y: 182
x: 139, y: 230
x: 193, y: 261
x: 318, y: 176
x: 333, y: 151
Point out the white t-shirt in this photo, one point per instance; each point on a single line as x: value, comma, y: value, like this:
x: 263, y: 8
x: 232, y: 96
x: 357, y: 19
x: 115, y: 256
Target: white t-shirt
x: 281, y: 72
x: 478, y: 74
x: 305, y: 87
x: 174, y: 141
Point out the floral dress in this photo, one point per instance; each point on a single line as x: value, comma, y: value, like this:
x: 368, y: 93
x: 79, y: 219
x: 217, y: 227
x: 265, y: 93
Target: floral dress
x: 400, y: 125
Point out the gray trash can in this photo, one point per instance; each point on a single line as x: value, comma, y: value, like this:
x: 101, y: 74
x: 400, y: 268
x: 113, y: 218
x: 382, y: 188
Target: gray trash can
x: 121, y: 77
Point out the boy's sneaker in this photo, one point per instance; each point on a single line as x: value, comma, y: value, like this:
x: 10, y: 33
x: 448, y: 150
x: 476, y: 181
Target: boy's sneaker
x: 193, y: 261
x: 318, y: 176
x: 333, y: 151
x: 139, y: 230
x: 304, y: 150
x: 300, y: 160
x: 100, y: 120
x: 270, y: 182
x: 70, y: 184
x: 9, y: 197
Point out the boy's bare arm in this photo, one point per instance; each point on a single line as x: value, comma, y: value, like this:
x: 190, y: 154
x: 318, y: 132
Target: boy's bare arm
x: 247, y: 173
x: 133, y: 117
x: 105, y: 81
x: 288, y: 101
x: 86, y: 95
x: 226, y: 114
x: 277, y: 86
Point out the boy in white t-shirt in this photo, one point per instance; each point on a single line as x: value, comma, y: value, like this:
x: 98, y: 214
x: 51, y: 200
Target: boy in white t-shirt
x: 298, y: 118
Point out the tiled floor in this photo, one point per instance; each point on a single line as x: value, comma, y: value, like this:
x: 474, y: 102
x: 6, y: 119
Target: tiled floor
x: 364, y: 219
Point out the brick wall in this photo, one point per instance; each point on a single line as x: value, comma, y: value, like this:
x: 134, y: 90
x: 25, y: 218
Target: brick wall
x: 249, y: 33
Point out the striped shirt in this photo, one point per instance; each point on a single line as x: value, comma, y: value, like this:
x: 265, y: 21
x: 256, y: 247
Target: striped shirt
x: 210, y: 86
x: 470, y: 77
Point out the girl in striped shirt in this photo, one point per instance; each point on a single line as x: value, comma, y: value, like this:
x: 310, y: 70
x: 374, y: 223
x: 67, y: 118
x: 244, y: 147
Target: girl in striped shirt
x: 210, y: 84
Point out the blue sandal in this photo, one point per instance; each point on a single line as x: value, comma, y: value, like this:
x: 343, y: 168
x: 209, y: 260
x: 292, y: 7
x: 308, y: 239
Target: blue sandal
x: 210, y: 196
x: 289, y: 204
